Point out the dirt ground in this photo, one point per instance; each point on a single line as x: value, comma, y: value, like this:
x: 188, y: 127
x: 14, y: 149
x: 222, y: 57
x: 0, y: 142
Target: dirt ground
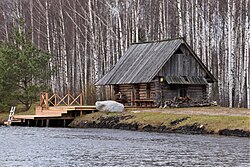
x: 215, y: 110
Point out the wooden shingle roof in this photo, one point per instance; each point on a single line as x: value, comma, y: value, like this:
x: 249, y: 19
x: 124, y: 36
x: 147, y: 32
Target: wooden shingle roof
x: 142, y: 61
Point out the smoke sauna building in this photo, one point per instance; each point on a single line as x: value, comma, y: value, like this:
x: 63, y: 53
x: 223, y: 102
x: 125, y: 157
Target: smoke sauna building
x: 157, y: 73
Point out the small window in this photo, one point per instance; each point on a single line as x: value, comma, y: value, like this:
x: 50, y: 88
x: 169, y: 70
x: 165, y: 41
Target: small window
x: 179, y: 51
x: 185, y: 77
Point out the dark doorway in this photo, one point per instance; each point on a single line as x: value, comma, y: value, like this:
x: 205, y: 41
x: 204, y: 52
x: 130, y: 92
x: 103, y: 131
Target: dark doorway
x: 183, y: 92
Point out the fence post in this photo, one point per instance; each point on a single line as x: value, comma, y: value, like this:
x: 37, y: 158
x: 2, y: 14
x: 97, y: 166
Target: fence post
x: 47, y: 100
x: 81, y: 98
x: 55, y: 99
x: 41, y: 99
x: 68, y: 98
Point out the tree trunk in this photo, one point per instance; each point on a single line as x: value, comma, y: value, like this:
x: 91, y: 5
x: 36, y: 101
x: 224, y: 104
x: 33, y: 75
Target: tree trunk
x: 63, y: 49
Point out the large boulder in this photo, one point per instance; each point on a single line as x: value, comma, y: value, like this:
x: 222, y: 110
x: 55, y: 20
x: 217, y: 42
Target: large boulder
x: 109, y: 106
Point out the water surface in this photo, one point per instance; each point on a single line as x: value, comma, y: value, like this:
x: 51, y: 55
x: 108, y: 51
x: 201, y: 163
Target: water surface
x: 31, y: 146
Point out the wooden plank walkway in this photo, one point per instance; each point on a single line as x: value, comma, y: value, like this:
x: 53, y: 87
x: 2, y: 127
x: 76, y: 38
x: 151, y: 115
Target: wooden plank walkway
x: 53, y: 113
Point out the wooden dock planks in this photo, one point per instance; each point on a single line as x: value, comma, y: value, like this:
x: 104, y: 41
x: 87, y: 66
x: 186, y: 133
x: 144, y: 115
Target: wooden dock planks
x: 54, y: 113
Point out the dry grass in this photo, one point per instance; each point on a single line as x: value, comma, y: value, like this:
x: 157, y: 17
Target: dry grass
x: 212, y: 123
x: 19, y: 110
x: 213, y: 110
x: 3, y: 117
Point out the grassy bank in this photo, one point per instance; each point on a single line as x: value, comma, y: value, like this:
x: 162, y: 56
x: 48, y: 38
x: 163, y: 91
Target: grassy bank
x: 19, y: 110
x: 155, y: 121
x: 3, y: 117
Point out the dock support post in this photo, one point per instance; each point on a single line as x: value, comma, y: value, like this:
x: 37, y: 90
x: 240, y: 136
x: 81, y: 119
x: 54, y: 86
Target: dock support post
x: 47, y: 122
x: 36, y: 123
x: 28, y: 122
x: 64, y: 123
x: 47, y: 100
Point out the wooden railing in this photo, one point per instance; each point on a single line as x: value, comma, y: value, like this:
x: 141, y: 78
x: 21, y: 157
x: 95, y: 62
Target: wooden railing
x: 56, y: 100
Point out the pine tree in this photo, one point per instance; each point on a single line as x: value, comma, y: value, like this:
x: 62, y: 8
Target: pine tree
x: 24, y: 70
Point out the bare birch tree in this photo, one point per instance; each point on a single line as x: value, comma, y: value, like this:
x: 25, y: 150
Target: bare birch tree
x: 86, y: 38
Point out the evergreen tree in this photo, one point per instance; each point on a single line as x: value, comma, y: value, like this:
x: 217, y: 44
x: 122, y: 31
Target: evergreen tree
x: 24, y: 71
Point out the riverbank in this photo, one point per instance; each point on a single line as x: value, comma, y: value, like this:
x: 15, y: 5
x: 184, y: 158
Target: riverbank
x: 3, y: 117
x: 186, y: 121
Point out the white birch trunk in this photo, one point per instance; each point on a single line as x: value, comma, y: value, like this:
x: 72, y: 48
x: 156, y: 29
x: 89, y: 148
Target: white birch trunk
x: 180, y: 18
x: 108, y: 52
x: 247, y: 61
x: 187, y: 31
x: 126, y: 26
x: 120, y: 29
x: 18, y: 12
x: 203, y: 37
x: 86, y: 58
x: 167, y: 21
x: 63, y: 48
x: 241, y: 65
x: 137, y: 21
x: 196, y: 36
x: 149, y: 27
x: 6, y: 26
x: 160, y: 20
x: 220, y: 85
x: 79, y: 70
x: 93, y: 48
x: 32, y: 21
x: 230, y: 78
x: 193, y: 24
x: 163, y: 20
x: 132, y: 23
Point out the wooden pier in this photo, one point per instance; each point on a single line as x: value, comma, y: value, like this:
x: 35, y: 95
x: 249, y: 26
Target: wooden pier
x: 60, y: 116
x: 54, y: 111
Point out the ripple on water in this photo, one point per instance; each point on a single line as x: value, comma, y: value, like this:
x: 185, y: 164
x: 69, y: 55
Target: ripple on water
x: 26, y: 146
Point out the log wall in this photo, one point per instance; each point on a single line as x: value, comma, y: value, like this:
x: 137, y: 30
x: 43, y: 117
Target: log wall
x: 126, y: 89
x: 196, y: 92
x: 136, y: 91
x: 165, y: 92
x: 159, y: 91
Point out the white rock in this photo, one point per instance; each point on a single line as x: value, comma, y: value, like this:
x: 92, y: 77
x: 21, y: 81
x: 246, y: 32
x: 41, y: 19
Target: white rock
x: 109, y: 106
x: 214, y: 103
x: 135, y: 111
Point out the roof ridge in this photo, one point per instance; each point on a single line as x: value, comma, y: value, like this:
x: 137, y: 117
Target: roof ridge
x: 163, y: 40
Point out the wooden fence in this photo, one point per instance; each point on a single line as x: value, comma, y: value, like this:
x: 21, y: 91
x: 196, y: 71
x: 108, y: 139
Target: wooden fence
x: 56, y: 100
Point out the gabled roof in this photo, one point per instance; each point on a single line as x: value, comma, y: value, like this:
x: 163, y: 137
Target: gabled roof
x: 142, y: 62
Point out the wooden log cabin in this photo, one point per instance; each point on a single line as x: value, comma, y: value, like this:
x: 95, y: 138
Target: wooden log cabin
x: 153, y: 73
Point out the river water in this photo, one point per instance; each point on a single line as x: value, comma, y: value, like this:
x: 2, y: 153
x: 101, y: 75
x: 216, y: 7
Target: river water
x: 30, y: 146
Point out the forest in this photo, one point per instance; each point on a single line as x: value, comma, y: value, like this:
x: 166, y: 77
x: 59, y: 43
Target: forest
x: 85, y: 39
